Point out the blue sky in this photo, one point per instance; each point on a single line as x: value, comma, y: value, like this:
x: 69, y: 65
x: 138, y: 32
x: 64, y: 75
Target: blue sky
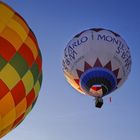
x: 61, y: 113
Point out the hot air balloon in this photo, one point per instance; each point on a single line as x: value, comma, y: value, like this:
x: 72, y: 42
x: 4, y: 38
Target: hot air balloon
x: 96, y: 62
x: 20, y: 69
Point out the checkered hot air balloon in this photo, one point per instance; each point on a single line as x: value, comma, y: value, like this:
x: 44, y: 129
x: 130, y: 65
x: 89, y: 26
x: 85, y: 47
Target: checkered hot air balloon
x: 20, y: 69
x: 96, y: 62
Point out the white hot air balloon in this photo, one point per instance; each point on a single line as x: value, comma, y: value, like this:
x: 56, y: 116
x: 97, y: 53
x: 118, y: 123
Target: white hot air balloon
x: 96, y: 62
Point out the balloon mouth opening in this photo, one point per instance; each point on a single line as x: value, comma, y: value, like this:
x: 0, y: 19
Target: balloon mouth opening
x: 98, y: 82
x: 98, y: 90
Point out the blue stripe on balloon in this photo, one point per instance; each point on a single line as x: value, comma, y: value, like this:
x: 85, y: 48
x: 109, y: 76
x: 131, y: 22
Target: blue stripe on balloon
x: 98, y: 72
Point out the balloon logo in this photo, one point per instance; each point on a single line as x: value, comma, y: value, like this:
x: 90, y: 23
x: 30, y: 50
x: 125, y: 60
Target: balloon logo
x: 20, y: 69
x: 96, y: 62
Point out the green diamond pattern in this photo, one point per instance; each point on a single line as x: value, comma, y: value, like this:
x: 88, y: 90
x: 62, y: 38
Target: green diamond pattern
x: 3, y: 62
x: 19, y: 63
x: 35, y: 71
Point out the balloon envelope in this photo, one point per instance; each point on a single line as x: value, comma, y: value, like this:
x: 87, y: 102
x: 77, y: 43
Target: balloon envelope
x: 96, y: 62
x: 20, y: 69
